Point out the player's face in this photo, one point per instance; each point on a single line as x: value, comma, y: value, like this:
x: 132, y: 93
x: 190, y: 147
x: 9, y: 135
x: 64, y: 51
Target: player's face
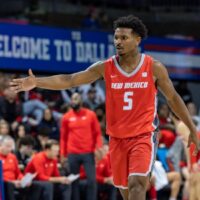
x: 125, y: 40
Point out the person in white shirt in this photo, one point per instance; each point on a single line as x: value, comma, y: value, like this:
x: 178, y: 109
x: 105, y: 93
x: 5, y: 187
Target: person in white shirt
x: 163, y: 178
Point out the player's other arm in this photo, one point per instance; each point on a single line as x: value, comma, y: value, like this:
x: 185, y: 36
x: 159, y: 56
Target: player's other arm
x: 174, y: 100
x: 59, y: 82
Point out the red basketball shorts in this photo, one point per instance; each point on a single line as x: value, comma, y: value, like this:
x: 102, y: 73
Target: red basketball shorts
x: 132, y: 156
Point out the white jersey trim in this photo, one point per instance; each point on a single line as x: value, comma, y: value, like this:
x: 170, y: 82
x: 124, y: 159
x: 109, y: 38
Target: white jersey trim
x: 155, y: 111
x: 134, y: 71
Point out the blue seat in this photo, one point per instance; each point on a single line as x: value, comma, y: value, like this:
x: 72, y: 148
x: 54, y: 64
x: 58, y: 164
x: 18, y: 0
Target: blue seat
x: 162, y: 157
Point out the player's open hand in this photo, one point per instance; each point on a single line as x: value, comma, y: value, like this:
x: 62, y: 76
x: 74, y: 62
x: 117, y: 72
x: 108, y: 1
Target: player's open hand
x: 24, y: 84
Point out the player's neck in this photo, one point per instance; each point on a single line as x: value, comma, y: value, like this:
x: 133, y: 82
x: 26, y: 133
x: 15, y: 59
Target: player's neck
x: 129, y: 60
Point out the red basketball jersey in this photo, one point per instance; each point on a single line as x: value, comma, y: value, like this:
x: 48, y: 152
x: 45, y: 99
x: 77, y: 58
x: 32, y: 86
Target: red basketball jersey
x: 130, y: 99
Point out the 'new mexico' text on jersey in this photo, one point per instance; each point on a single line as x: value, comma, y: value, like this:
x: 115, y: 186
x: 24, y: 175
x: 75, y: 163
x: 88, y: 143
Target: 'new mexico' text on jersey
x: 130, y: 99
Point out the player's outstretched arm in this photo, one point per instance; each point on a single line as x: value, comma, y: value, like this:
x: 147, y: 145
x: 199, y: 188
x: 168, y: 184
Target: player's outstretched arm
x: 59, y: 82
x: 174, y: 100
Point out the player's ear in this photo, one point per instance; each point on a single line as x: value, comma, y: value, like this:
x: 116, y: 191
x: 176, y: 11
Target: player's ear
x: 138, y: 40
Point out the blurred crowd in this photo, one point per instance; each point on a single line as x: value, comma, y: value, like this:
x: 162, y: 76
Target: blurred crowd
x: 55, y: 135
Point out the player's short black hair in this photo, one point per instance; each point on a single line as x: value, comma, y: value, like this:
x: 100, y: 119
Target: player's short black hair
x: 132, y: 22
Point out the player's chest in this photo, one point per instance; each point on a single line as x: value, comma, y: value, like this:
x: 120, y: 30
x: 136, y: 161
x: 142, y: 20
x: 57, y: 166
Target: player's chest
x: 119, y: 83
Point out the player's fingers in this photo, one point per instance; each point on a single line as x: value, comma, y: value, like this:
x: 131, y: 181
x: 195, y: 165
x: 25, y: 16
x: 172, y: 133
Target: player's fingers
x: 16, y: 81
x: 30, y: 72
x: 12, y: 84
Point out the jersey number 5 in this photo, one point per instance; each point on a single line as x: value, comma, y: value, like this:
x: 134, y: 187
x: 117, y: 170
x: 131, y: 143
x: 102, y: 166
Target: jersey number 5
x: 128, y: 101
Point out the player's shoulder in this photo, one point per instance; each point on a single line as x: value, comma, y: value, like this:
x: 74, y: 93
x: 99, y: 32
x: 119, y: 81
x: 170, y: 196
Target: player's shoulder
x: 105, y: 61
x: 97, y: 67
x: 149, y: 57
x: 157, y: 63
x: 159, y: 68
x: 110, y: 59
x: 102, y: 63
x: 97, y: 64
x: 109, y: 62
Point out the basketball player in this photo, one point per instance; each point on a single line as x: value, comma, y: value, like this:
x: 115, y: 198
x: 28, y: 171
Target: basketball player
x: 131, y: 81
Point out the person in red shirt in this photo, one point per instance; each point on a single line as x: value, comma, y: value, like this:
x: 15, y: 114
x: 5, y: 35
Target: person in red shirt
x: 12, y: 175
x: 166, y: 125
x: 104, y: 175
x: 80, y: 137
x: 45, y: 165
x: 132, y: 79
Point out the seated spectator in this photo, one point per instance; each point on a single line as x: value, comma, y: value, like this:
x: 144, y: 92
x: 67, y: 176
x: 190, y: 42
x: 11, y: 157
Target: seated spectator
x: 49, y: 122
x: 11, y: 173
x: 33, y: 111
x: 104, y: 176
x: 167, y: 128
x: 10, y: 107
x: 165, y: 118
x: 20, y: 131
x: 194, y: 113
x: 105, y: 186
x: 167, y: 138
x: 45, y: 165
x: 163, y: 179
x: 183, y: 131
x: 53, y: 99
x: 4, y: 127
x: 177, y: 161
x: 91, y: 101
x: 100, y: 112
x: 12, y: 110
x: 100, y: 94
x: 41, y: 138
x: 24, y: 151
